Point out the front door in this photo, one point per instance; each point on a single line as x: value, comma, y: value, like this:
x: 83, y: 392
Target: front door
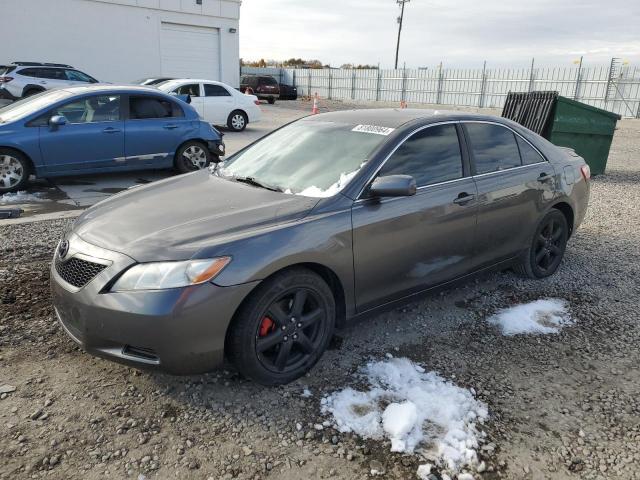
x: 514, y: 184
x: 193, y: 90
x: 407, y: 244
x: 93, y: 137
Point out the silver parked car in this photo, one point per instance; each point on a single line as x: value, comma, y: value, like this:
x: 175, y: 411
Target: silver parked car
x: 326, y: 220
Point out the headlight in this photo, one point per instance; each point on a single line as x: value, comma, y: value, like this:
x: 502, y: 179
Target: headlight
x: 159, y: 275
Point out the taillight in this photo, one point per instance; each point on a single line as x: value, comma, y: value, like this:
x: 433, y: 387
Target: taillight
x: 586, y: 172
x: 5, y: 79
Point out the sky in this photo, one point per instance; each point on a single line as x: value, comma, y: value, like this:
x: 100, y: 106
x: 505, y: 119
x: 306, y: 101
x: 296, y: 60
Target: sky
x: 459, y: 33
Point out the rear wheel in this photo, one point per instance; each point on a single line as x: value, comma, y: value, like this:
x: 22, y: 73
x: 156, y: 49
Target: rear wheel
x: 192, y: 156
x: 283, y: 328
x: 544, y: 255
x: 237, y: 121
x: 14, y: 171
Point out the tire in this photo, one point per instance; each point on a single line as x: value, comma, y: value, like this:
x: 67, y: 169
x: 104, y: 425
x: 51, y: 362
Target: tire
x: 15, y: 169
x: 237, y: 121
x: 271, y: 100
x: 549, y: 242
x: 283, y: 328
x: 192, y: 156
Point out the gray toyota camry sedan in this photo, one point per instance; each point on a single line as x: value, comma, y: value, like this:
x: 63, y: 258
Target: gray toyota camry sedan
x: 328, y: 219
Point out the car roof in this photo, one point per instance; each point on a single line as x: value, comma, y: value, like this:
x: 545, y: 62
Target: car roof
x: 194, y: 80
x: 80, y: 89
x: 392, y: 117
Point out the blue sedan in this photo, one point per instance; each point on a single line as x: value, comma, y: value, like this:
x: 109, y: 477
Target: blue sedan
x: 96, y: 129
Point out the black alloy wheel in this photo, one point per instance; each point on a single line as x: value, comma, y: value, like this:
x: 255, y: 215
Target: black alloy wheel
x: 548, y: 246
x: 283, y: 328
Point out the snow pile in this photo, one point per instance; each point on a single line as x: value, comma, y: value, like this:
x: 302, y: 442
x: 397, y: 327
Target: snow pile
x: 414, y: 409
x: 539, y: 317
x: 21, y: 197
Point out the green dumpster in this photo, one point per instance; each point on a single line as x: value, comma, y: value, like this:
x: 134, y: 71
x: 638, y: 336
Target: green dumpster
x: 566, y: 123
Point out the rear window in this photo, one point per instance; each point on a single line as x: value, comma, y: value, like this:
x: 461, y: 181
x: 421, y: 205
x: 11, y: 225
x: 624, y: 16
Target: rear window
x: 268, y: 81
x: 148, y: 107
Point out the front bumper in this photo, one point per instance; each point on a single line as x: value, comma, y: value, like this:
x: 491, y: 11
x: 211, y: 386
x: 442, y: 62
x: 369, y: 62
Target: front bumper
x: 216, y: 148
x: 180, y: 331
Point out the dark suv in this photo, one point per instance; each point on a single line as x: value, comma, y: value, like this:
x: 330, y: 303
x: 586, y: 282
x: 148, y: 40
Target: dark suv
x: 265, y: 87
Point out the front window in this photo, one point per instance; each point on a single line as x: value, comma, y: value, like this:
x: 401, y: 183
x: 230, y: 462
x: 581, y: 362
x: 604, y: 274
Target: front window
x: 27, y: 106
x: 192, y: 89
x: 309, y: 158
x: 98, y: 108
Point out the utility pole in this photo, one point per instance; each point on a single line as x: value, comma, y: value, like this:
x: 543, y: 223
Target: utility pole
x: 400, y: 18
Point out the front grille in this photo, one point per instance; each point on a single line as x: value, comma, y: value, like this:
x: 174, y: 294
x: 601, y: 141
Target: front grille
x: 78, y: 272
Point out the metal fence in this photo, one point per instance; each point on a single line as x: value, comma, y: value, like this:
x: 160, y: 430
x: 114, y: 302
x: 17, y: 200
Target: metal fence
x: 615, y: 87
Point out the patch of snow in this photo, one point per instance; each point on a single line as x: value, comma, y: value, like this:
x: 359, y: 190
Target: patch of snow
x: 22, y: 197
x: 538, y: 317
x: 412, y: 408
x: 314, y: 191
x: 424, y: 471
x: 306, y: 393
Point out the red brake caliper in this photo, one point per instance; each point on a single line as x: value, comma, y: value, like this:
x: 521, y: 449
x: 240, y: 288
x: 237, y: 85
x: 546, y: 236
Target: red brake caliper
x: 266, y: 327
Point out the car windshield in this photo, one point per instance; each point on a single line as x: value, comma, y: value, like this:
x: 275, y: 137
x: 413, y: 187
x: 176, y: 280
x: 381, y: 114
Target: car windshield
x: 309, y: 158
x: 29, y: 105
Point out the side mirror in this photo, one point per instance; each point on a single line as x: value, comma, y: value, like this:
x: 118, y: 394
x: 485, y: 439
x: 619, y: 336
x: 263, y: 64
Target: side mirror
x: 58, y: 121
x: 393, y: 186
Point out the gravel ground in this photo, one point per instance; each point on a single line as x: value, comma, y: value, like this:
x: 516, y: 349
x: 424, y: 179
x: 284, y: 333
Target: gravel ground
x: 561, y: 406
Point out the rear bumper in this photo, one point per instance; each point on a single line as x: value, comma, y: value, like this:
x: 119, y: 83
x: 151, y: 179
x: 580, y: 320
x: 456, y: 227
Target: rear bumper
x: 6, y: 94
x: 179, y: 331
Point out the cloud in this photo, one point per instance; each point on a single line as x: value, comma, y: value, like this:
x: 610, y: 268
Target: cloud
x: 459, y: 33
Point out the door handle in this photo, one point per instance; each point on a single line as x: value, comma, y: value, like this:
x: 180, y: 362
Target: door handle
x: 111, y: 130
x: 170, y: 126
x: 544, y: 177
x: 464, y: 198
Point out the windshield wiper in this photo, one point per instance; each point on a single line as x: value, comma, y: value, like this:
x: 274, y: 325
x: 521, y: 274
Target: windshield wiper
x: 256, y: 183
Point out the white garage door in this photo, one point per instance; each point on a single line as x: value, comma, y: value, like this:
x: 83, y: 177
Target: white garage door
x: 190, y: 51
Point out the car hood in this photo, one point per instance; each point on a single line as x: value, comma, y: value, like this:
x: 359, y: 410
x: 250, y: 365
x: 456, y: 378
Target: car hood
x: 175, y: 218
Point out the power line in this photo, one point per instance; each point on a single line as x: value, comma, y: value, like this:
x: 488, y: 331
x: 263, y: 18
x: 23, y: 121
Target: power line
x: 400, y: 19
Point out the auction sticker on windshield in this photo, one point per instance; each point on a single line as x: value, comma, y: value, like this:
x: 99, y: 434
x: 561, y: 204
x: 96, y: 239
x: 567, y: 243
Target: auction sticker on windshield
x: 373, y: 129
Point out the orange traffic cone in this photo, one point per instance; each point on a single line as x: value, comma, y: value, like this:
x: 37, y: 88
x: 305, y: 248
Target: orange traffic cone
x: 314, y: 111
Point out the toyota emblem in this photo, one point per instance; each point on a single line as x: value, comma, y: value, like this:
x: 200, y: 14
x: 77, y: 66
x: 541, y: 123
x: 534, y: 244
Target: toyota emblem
x: 63, y: 248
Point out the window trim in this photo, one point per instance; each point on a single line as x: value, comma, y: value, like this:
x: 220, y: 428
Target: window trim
x: 463, y: 153
x: 472, y: 159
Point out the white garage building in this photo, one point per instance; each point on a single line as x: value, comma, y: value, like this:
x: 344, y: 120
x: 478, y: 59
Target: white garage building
x: 120, y: 41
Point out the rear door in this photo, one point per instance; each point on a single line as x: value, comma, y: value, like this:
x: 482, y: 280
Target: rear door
x: 154, y: 128
x: 514, y: 184
x: 218, y: 103
x: 406, y: 244
x: 93, y: 137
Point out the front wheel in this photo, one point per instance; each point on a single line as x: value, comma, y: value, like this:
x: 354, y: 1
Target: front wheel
x: 544, y: 255
x: 192, y: 156
x: 14, y: 171
x: 283, y: 328
x: 237, y: 121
